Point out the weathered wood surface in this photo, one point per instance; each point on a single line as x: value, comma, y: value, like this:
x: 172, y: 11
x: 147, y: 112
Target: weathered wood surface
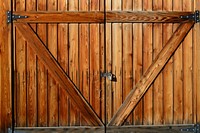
x: 167, y: 71
x: 5, y: 68
x: 143, y: 85
x: 158, y: 83
x: 147, y: 61
x: 98, y: 17
x: 196, y: 54
x: 138, y: 61
x: 179, y: 107
x: 124, y: 129
x: 58, y: 72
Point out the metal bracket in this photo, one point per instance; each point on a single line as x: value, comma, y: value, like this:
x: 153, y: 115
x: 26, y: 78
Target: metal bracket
x: 194, y: 17
x: 195, y: 129
x: 11, y: 17
x: 109, y: 75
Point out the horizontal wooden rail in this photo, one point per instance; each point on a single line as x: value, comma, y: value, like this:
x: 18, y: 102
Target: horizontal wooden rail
x: 58, y: 73
x: 98, y: 17
x: 149, y: 76
x: 124, y: 129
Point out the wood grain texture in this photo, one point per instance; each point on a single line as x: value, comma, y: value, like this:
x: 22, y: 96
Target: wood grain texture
x: 158, y: 83
x: 147, y: 60
x: 127, y: 59
x: 178, y: 74
x: 98, y: 17
x: 117, y: 53
x: 124, y: 129
x: 21, y: 77
x: 138, y: 61
x: 63, y: 57
x: 95, y: 61
x: 52, y: 84
x: 187, y: 72
x: 149, y: 76
x: 31, y: 77
x: 73, y: 59
x: 58, y: 73
x: 196, y: 68
x: 84, y: 57
x: 109, y: 89
x: 42, y: 73
x: 5, y: 69
x: 168, y: 71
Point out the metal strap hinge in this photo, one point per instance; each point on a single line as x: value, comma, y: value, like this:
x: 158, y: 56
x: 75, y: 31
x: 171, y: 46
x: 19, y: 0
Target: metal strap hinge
x: 11, y: 17
x: 194, y: 17
x: 195, y: 129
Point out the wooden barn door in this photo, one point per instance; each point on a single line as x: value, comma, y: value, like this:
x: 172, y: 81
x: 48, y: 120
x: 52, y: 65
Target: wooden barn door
x: 57, y: 65
x: 133, y: 50
x: 64, y: 49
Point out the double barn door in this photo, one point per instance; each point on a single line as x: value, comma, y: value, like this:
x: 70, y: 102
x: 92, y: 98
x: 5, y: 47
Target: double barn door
x: 76, y: 62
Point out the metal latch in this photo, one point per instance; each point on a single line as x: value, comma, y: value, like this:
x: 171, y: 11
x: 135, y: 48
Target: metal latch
x: 109, y: 75
x: 194, y: 17
x: 11, y: 17
x: 195, y: 129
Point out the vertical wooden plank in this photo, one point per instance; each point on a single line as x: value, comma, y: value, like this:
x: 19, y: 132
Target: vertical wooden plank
x: 168, y: 71
x: 42, y: 72
x: 197, y: 67
x: 147, y: 60
x: 102, y: 64
x: 158, y: 84
x: 127, y: 29
x: 95, y: 61
x: 31, y: 77
x: 21, y: 72
x: 63, y: 57
x: 187, y: 71
x: 117, y: 58
x: 84, y: 55
x: 52, y: 85
x: 73, y: 59
x: 84, y: 52
x: 137, y: 60
x: 194, y: 76
x: 5, y: 68
x: 109, y: 89
x: 178, y: 74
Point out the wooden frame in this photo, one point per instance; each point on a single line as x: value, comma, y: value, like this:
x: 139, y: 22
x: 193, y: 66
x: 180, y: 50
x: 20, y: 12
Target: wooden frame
x: 111, y: 129
x: 98, y: 17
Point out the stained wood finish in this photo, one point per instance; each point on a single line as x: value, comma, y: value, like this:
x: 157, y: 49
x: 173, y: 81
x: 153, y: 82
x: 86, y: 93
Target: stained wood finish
x: 183, y: 108
x: 138, y: 61
x: 98, y: 17
x: 57, y: 71
x: 149, y: 76
x: 31, y: 77
x: 42, y: 73
x: 178, y: 69
x: 158, y: 83
x: 21, y: 73
x: 167, y: 71
x: 147, y: 61
x: 196, y: 48
x: 124, y: 129
x: 5, y: 69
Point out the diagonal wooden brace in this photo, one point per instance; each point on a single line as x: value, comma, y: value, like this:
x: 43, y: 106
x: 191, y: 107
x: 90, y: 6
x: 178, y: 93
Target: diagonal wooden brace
x: 149, y: 76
